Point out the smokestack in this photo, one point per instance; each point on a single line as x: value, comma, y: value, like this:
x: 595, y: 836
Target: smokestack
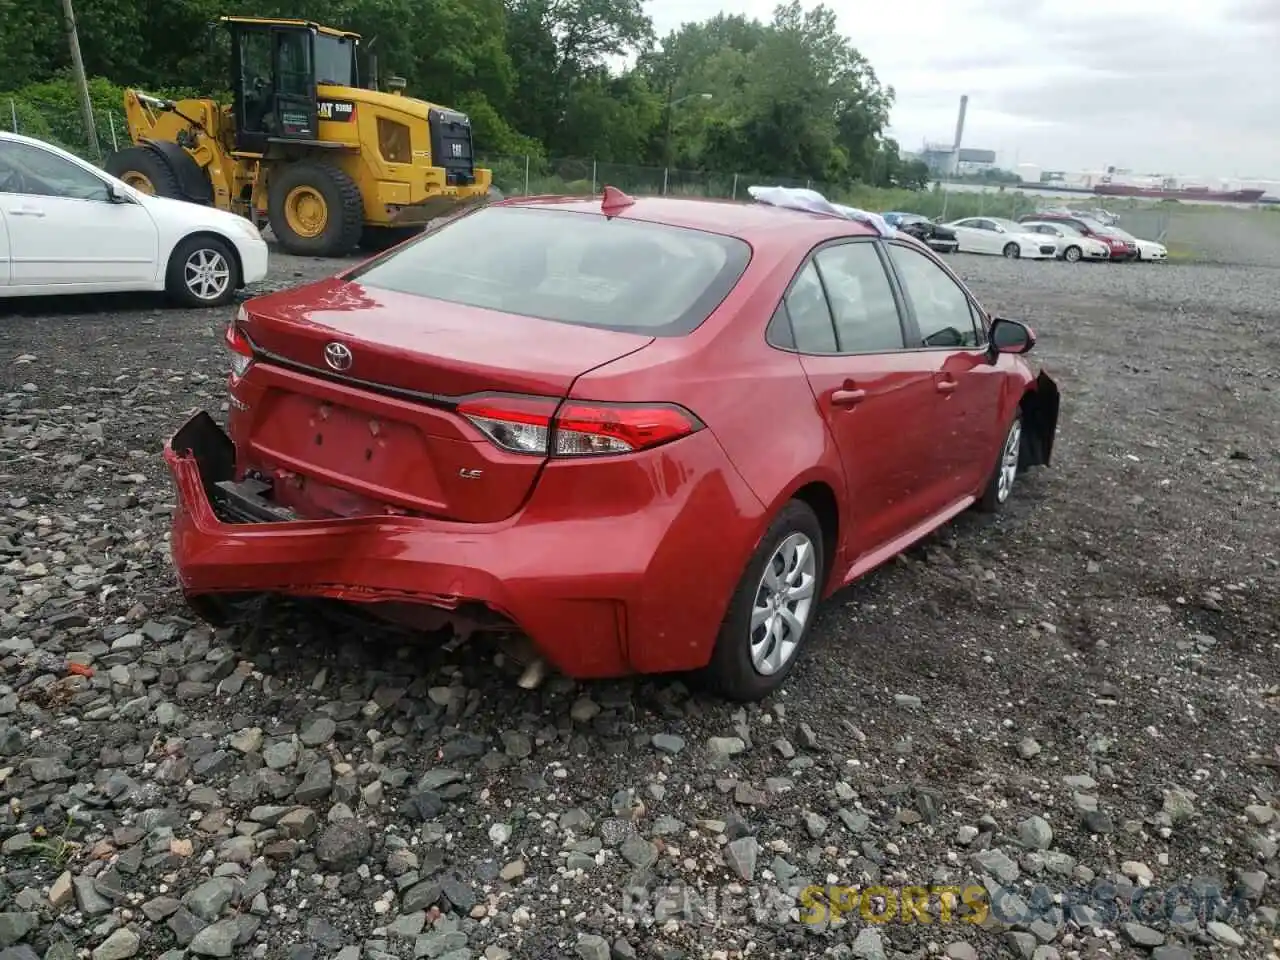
x: 964, y: 106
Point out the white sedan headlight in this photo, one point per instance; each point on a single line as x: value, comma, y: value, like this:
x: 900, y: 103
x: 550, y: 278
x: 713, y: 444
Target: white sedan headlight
x: 248, y: 229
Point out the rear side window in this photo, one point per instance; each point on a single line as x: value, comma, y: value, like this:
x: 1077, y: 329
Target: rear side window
x: 576, y: 268
x: 806, y: 306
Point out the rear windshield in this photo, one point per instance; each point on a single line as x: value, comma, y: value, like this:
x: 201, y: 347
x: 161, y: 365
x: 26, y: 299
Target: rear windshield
x: 576, y: 268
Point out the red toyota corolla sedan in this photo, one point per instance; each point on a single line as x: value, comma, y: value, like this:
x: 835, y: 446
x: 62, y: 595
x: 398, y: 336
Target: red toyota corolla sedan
x: 649, y: 434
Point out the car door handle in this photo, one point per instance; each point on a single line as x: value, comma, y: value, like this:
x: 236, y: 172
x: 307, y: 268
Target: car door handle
x: 945, y: 386
x: 26, y: 212
x: 847, y: 398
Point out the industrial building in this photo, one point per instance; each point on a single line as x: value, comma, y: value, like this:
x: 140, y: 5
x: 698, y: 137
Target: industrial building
x: 949, y: 160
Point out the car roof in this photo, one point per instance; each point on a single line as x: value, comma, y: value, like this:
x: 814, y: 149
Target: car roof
x: 20, y: 138
x: 759, y: 224
x: 6, y: 135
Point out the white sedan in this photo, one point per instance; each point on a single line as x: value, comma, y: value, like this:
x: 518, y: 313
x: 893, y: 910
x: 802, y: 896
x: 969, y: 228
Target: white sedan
x: 68, y: 227
x: 1002, y: 238
x: 1073, y: 245
x: 1147, y: 249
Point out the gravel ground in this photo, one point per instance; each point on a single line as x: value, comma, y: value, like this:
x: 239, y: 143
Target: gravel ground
x: 1073, y: 707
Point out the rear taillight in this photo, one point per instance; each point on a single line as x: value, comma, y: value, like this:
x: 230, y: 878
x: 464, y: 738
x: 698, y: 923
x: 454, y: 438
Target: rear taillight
x: 574, y: 428
x: 238, y: 346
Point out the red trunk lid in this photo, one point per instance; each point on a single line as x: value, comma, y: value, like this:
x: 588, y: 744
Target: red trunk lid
x: 346, y: 447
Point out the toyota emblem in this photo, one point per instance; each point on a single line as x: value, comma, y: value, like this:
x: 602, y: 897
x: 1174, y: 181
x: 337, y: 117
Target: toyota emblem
x: 338, y: 356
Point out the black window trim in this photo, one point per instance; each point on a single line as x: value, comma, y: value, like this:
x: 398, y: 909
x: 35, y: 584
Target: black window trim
x: 811, y: 258
x: 983, y: 322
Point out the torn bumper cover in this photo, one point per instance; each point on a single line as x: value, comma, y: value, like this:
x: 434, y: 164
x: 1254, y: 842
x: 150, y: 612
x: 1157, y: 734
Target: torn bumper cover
x: 571, y: 588
x: 1040, y: 421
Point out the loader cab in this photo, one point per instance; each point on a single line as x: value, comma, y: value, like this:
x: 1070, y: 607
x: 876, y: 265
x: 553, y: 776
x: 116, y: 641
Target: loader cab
x: 276, y: 66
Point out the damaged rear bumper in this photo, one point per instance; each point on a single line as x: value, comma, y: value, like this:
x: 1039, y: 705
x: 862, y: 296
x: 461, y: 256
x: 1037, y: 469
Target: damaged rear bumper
x: 581, y: 589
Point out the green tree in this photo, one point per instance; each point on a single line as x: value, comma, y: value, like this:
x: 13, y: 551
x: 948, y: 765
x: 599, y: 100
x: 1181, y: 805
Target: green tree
x: 558, y: 49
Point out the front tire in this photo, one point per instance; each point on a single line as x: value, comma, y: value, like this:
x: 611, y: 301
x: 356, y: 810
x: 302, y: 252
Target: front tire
x: 1072, y: 254
x: 315, y: 210
x: 1000, y: 486
x: 1012, y: 251
x: 773, y: 608
x: 203, y: 271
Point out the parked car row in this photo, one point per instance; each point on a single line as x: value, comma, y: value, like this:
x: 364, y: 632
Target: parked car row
x: 936, y: 236
x: 1050, y: 234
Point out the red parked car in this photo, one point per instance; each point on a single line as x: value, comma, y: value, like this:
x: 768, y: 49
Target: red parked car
x: 650, y: 434
x: 1121, y: 250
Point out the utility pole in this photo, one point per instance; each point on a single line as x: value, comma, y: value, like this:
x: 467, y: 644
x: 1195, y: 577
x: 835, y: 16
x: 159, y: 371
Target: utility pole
x: 671, y: 105
x: 666, y: 144
x: 82, y: 81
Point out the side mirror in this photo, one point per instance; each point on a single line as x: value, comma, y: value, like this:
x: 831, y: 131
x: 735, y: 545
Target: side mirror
x: 116, y: 195
x: 1011, y: 336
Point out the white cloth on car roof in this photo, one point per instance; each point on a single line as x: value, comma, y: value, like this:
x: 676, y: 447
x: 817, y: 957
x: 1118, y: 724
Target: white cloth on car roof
x: 798, y: 198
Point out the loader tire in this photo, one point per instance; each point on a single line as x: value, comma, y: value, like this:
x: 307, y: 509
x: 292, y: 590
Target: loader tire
x: 144, y: 170
x: 315, y: 210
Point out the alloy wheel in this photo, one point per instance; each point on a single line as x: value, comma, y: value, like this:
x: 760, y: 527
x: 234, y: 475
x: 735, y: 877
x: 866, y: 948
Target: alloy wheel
x: 783, y: 604
x: 1009, y: 462
x: 207, y: 274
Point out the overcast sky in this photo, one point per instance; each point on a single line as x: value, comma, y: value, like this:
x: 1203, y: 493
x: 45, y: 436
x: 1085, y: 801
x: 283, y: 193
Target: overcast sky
x: 1184, y: 87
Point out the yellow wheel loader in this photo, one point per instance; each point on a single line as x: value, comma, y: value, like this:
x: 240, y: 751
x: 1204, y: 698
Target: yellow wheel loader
x: 303, y: 147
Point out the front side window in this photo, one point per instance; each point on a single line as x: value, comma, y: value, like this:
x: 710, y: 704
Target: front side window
x: 31, y: 171
x: 334, y: 60
x: 942, y: 309
x: 862, y: 302
x: 578, y: 268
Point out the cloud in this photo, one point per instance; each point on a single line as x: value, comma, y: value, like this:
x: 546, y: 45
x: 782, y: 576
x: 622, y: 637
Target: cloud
x: 1178, y: 86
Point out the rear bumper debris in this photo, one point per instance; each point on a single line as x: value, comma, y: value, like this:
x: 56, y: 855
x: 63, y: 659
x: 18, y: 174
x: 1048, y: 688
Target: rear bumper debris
x: 600, y: 596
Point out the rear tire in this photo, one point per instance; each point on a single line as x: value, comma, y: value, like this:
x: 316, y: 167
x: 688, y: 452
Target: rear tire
x: 146, y: 171
x: 1000, y: 487
x: 315, y: 209
x: 1072, y: 254
x: 772, y: 609
x: 203, y: 272
x: 1012, y: 251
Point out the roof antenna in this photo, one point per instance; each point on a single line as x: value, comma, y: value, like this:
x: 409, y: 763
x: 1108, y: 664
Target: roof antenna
x: 614, y: 201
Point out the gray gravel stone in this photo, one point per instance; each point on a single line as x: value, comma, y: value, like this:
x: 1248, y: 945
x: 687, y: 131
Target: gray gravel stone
x: 122, y: 944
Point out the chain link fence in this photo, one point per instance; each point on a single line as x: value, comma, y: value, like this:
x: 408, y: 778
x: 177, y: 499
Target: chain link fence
x: 66, y: 129
x: 1243, y: 236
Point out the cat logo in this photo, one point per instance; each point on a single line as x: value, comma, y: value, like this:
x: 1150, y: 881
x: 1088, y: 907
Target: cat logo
x: 340, y: 110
